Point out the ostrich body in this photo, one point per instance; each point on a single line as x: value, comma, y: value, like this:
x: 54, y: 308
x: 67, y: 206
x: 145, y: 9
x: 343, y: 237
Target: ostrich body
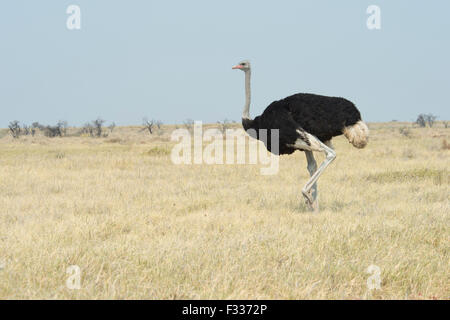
x: 306, y: 122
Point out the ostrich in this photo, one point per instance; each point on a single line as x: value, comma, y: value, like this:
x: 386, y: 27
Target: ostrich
x: 306, y: 122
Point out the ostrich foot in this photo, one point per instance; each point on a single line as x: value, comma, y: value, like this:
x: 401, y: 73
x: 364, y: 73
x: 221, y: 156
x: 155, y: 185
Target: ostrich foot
x: 311, y: 201
x: 308, y: 197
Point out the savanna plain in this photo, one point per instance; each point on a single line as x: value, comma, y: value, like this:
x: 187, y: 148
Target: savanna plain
x: 140, y: 227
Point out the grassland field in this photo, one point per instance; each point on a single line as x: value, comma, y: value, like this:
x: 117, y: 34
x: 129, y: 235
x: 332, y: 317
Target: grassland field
x: 140, y: 227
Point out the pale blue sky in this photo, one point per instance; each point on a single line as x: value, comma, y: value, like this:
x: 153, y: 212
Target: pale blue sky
x: 171, y: 60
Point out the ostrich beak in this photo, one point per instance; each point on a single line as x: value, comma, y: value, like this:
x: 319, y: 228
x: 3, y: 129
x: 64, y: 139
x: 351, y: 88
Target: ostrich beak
x: 237, y: 67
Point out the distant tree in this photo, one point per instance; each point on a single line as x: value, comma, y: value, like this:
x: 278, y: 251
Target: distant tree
x: 25, y: 130
x: 62, y: 125
x: 52, y: 131
x: 223, y: 125
x: 446, y: 124
x: 97, y: 125
x: 111, y: 127
x: 148, y: 125
x: 421, y: 120
x: 94, y: 128
x: 58, y: 130
x: 424, y: 119
x: 88, y: 128
x: 189, y: 124
x: 430, y: 119
x: 35, y: 126
x: 14, y: 129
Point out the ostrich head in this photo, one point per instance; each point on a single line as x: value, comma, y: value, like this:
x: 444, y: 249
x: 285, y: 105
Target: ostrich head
x: 243, y: 65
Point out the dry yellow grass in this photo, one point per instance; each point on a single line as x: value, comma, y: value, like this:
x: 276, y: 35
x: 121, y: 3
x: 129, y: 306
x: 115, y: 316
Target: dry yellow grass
x: 140, y: 227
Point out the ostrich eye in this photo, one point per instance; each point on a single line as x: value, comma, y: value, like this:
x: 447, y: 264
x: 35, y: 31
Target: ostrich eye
x: 242, y: 64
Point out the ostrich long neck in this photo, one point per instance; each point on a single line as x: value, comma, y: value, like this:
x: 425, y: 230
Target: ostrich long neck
x: 246, y: 112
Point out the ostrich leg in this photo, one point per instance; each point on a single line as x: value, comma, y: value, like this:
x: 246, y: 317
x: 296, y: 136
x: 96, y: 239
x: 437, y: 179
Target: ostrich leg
x: 312, y: 167
x: 330, y: 156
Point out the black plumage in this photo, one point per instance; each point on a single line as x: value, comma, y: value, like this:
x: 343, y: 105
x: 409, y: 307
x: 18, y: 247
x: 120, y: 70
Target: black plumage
x: 322, y: 116
x: 305, y: 122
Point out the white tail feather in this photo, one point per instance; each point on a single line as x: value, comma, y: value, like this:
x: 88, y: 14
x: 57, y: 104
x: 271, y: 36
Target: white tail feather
x: 357, y: 134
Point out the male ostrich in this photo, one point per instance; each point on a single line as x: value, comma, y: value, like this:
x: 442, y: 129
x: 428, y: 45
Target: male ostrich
x: 307, y: 122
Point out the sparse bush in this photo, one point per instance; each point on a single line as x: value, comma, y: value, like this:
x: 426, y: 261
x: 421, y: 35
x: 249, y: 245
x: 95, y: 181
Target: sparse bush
x: 445, y: 124
x: 223, y: 125
x: 405, y: 132
x: 58, y: 130
x: 87, y: 129
x: 14, y: 129
x: 430, y: 118
x: 97, y: 125
x: 34, y: 126
x: 158, y: 151
x: 424, y: 119
x: 421, y: 121
x: 52, y: 131
x: 60, y: 155
x: 445, y: 145
x: 26, y: 130
x: 189, y: 124
x: 111, y: 127
x: 62, y: 125
x: 148, y: 125
x: 94, y: 128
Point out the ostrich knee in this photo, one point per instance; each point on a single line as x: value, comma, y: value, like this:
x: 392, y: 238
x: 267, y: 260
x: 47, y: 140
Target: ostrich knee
x: 330, y: 154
